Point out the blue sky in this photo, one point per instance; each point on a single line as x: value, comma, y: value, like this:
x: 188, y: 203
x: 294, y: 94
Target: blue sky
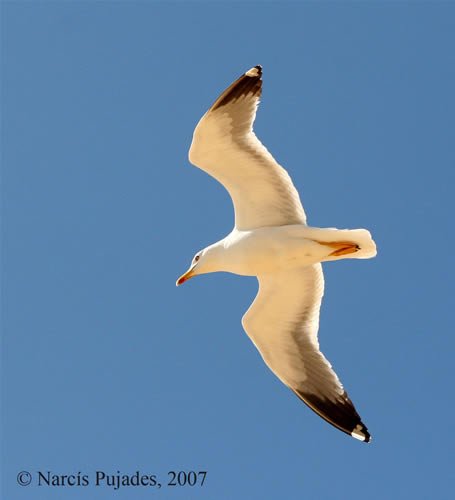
x: 106, y: 365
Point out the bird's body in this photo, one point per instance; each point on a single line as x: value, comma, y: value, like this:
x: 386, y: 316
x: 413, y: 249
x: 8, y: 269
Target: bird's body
x: 271, y: 240
x: 281, y: 248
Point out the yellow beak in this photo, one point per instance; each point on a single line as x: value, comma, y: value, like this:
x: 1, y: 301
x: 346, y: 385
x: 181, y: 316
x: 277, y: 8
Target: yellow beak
x: 185, y: 277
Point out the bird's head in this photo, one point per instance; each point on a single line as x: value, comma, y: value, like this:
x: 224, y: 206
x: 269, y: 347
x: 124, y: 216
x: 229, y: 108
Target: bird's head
x: 205, y: 261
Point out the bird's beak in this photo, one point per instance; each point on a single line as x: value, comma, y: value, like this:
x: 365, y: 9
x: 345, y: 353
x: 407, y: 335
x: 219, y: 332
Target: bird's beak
x: 185, y: 277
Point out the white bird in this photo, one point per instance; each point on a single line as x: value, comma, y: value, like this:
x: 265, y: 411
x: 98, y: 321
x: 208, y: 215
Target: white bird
x: 272, y: 241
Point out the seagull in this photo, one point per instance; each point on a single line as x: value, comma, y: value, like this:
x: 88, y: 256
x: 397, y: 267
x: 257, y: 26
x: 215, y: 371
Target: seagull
x: 272, y: 241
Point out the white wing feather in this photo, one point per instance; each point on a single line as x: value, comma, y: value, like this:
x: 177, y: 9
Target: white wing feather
x: 225, y: 146
x: 283, y: 324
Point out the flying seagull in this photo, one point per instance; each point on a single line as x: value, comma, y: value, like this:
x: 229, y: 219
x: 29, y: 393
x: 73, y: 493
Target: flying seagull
x: 272, y: 241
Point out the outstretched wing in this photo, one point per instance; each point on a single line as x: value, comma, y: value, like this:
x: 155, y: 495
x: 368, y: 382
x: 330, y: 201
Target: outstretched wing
x: 225, y: 146
x: 283, y: 324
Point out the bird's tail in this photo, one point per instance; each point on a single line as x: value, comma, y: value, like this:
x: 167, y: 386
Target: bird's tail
x: 366, y: 247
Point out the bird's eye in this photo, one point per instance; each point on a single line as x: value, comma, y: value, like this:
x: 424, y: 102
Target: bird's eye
x: 196, y: 258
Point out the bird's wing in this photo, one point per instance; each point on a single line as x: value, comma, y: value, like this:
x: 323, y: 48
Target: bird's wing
x: 225, y: 146
x: 283, y: 324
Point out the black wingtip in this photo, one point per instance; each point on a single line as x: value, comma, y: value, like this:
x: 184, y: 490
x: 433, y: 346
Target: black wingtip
x: 340, y: 413
x: 249, y: 83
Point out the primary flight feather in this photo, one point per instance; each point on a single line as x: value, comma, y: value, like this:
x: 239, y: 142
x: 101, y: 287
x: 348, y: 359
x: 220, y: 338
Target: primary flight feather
x: 272, y: 241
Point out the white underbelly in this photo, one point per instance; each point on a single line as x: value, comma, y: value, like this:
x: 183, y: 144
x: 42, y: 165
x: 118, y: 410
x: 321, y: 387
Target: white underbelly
x: 273, y: 249
x: 268, y: 250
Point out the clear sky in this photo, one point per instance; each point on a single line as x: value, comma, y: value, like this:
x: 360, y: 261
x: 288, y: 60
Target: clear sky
x: 106, y: 365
